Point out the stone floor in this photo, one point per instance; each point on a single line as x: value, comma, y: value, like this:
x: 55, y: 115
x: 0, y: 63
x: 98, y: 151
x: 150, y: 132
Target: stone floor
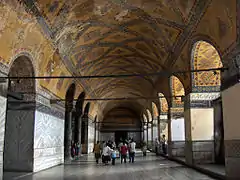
x: 149, y: 168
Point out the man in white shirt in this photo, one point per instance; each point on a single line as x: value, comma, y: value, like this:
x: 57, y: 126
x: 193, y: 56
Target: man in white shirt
x: 132, y: 150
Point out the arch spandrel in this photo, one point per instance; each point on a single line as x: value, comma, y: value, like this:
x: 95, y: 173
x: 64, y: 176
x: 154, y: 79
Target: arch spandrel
x: 155, y: 111
x: 177, y: 90
x: 149, y: 115
x: 163, y: 104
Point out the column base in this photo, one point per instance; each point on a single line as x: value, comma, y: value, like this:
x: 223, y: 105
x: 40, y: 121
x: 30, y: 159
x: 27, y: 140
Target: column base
x: 199, y: 152
x: 232, y: 159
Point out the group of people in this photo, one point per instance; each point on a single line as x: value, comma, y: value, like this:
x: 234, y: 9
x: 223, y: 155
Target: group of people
x: 75, y: 150
x: 108, y: 151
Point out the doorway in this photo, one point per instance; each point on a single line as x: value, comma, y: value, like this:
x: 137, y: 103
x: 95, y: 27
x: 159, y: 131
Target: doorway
x: 20, y: 115
x: 120, y: 135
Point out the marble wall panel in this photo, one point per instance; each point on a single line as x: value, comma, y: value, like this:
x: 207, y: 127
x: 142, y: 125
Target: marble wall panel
x: 3, y: 101
x: 48, y: 141
x: 18, y: 147
x: 90, y: 138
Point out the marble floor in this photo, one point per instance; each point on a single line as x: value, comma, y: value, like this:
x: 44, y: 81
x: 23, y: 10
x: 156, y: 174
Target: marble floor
x: 149, y: 168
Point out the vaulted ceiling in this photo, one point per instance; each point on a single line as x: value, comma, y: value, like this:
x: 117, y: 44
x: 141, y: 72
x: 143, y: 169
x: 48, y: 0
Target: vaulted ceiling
x: 103, y: 37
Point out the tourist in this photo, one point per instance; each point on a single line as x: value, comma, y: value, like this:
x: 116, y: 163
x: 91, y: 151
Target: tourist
x: 123, y: 152
x: 106, y: 154
x: 97, y: 151
x: 164, y: 144
x: 132, y: 150
x: 114, y: 156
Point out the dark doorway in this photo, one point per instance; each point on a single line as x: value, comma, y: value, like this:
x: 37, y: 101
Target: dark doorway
x: 120, y: 135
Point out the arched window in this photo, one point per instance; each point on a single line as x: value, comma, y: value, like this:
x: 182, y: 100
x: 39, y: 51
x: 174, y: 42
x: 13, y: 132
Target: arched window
x: 205, y: 56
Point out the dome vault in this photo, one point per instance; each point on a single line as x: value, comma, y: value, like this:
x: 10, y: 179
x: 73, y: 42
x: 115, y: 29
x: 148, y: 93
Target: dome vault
x: 102, y: 37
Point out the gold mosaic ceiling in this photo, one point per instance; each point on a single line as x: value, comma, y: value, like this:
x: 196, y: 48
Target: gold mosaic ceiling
x: 102, y: 37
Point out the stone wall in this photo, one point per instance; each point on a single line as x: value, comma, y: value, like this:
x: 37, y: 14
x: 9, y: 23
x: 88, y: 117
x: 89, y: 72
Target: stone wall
x: 18, y: 146
x: 2, y: 128
x: 48, y: 141
x: 91, y: 130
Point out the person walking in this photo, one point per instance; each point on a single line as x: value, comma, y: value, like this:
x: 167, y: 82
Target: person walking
x: 164, y: 144
x: 123, y: 152
x: 132, y: 151
x: 97, y: 151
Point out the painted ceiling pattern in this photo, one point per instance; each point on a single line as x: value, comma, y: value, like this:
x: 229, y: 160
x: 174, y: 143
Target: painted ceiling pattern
x: 102, y: 37
x: 99, y: 37
x: 206, y: 56
x: 145, y: 118
x: 177, y: 90
x: 163, y: 103
x: 155, y: 111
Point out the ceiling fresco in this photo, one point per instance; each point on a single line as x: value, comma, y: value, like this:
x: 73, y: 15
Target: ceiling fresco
x: 104, y: 37
x: 149, y: 115
x: 163, y: 103
x: 177, y: 90
x: 155, y: 111
x: 205, y: 56
x: 116, y: 37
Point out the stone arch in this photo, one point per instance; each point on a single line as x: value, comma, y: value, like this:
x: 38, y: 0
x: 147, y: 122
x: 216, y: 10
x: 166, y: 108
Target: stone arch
x: 205, y: 56
x: 31, y: 60
x: 69, y: 98
x: 20, y: 116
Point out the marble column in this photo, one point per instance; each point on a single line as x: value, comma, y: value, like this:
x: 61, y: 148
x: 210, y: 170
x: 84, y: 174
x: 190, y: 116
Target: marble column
x: 199, y: 127
x: 3, y: 104
x: 231, y: 111
x: 169, y: 147
x: 95, y: 131
x: 68, y: 135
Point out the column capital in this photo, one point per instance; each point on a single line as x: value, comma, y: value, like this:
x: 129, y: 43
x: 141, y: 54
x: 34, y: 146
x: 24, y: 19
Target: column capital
x: 200, y: 100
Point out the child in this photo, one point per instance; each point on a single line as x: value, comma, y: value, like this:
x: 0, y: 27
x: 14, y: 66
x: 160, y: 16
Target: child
x: 114, y: 156
x: 123, y: 151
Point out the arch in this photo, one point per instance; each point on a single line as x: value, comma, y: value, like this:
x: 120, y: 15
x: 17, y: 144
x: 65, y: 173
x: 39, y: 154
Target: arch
x: 149, y: 115
x: 70, y: 96
x: 163, y: 103
x: 205, y: 56
x: 155, y: 111
x: 177, y: 89
x: 87, y: 108
x: 145, y: 120
x: 20, y: 116
x: 79, y: 103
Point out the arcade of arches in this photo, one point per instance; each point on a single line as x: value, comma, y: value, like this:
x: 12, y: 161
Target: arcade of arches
x: 197, y: 110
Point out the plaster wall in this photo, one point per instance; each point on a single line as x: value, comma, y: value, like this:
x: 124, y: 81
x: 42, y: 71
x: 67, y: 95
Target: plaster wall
x: 48, y: 141
x: 3, y: 104
x: 149, y: 134
x: 145, y: 135
x: 202, y: 124
x: 178, y: 129
x: 91, y: 130
x: 19, y: 130
x: 231, y: 109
